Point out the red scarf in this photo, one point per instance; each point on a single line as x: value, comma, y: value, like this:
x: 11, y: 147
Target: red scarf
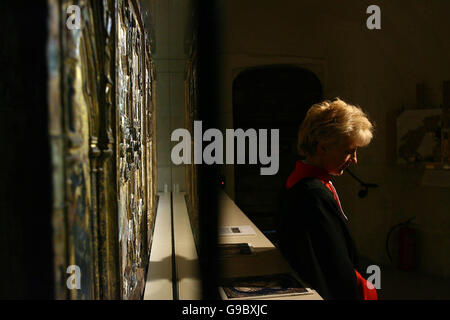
x: 302, y: 170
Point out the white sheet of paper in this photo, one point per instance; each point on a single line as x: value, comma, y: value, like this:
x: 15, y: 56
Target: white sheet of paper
x: 236, y: 231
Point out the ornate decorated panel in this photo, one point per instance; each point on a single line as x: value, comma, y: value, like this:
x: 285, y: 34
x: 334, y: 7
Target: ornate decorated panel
x: 134, y: 158
x: 191, y: 114
x: 101, y: 126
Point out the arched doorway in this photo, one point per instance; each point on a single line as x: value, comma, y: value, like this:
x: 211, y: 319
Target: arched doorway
x: 270, y: 97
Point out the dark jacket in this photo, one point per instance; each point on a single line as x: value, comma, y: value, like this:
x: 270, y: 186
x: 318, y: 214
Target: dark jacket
x: 315, y: 239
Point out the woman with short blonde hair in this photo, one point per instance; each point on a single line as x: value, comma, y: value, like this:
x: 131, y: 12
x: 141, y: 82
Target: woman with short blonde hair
x: 330, y: 121
x: 314, y: 236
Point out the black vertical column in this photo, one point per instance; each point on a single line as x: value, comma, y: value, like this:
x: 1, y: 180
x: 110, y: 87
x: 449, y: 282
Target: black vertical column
x: 208, y: 174
x: 26, y: 254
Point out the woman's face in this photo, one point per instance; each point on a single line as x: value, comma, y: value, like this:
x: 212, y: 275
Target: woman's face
x: 337, y: 157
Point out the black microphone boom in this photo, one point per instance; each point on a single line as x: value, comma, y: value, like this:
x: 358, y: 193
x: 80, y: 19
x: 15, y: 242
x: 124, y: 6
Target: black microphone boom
x: 365, y: 186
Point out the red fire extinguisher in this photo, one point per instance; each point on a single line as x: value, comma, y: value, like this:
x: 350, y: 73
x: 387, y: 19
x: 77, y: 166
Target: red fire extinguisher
x: 407, y: 245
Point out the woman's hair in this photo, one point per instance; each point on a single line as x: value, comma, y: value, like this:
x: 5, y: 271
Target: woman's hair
x: 330, y: 122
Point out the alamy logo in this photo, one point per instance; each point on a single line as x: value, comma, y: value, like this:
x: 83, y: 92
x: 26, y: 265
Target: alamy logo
x: 374, y: 20
x: 73, y: 22
x: 375, y: 277
x: 74, y: 281
x: 213, y: 153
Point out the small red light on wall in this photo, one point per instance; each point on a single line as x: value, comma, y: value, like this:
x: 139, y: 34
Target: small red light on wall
x: 222, y: 181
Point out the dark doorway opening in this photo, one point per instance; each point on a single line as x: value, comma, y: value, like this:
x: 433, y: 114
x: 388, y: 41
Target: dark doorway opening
x: 270, y: 97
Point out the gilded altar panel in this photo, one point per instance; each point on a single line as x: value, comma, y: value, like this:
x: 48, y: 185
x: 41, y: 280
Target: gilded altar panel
x: 101, y: 126
x: 134, y: 164
x: 191, y: 114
